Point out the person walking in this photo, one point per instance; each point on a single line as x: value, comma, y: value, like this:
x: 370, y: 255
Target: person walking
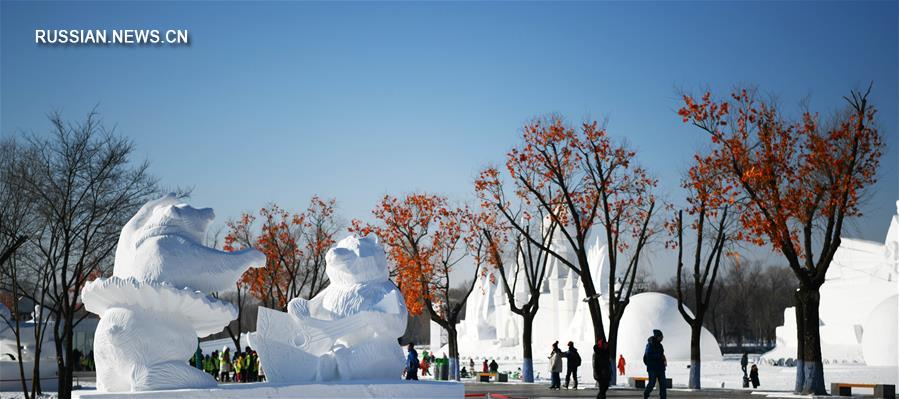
x: 494, y: 366
x: 602, y: 372
x: 412, y: 363
x: 574, y: 361
x: 471, y: 364
x: 555, y: 366
x: 485, y: 367
x: 754, y: 376
x: 654, y: 358
x: 621, y: 364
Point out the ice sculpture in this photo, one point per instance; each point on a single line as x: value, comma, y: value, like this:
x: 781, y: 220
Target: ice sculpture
x: 348, y: 331
x: 155, y: 304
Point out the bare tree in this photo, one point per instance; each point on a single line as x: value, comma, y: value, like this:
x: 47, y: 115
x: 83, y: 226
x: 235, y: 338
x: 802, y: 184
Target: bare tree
x: 524, y: 273
x: 84, y: 188
x: 15, y: 228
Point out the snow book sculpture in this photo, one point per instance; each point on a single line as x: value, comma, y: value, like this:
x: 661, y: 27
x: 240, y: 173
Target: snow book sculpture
x: 155, y: 305
x: 347, y: 332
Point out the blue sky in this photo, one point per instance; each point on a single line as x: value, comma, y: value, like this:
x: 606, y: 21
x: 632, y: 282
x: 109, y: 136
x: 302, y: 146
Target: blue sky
x: 279, y: 101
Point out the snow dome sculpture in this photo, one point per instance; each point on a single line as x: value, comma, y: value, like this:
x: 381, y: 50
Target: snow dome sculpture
x: 868, y: 273
x: 348, y: 331
x: 653, y: 310
x: 880, y: 332
x: 155, y: 304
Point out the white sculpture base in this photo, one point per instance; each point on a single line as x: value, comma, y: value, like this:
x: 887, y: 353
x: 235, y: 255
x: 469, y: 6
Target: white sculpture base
x: 355, y: 389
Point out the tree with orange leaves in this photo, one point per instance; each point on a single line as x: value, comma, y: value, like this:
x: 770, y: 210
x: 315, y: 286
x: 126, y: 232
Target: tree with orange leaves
x: 294, y: 245
x: 580, y: 178
x: 710, y: 204
x: 425, y: 239
x: 801, y: 179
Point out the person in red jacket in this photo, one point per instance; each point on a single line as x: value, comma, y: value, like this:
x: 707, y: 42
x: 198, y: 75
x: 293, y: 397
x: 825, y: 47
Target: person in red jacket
x: 621, y: 365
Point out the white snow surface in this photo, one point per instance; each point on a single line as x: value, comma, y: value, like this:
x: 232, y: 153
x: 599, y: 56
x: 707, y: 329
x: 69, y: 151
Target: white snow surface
x: 154, y: 305
x: 346, y: 332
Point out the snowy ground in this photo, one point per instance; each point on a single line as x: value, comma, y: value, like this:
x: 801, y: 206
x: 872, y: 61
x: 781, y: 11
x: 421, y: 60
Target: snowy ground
x: 714, y: 374
x: 727, y: 374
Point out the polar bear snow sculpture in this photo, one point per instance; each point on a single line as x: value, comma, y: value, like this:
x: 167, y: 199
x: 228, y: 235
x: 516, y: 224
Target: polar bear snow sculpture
x: 348, y: 331
x: 155, y: 304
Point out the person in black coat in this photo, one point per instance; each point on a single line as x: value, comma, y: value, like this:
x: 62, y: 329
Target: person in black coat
x: 654, y: 358
x: 602, y: 371
x: 574, y: 361
x: 412, y: 363
x: 744, y: 362
x: 754, y: 376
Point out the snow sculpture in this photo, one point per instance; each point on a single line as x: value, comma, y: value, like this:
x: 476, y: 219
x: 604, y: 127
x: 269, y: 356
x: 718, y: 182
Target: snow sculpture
x: 9, y: 364
x: 858, y: 330
x: 155, y: 304
x: 348, y: 331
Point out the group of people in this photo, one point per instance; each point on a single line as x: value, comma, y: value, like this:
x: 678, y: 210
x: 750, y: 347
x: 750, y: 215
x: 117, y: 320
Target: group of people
x: 84, y: 362
x: 491, y: 367
x: 753, y: 372
x: 227, y: 367
x: 653, y: 357
x: 413, y: 364
x: 555, y: 365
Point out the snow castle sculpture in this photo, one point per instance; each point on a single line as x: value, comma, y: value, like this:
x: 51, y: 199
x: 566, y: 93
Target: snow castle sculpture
x: 155, y: 304
x: 858, y: 311
x: 348, y: 331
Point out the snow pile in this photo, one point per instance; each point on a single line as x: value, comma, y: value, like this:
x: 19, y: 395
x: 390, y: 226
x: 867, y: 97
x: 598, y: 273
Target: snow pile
x: 154, y: 306
x: 346, y: 332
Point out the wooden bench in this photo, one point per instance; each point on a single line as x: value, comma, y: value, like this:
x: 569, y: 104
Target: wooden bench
x: 485, y: 377
x: 880, y: 390
x: 640, y: 382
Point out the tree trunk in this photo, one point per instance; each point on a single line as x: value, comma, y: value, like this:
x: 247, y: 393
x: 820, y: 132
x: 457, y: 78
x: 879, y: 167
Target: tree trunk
x: 613, y: 350
x: 809, y: 367
x: 527, y: 366
x: 695, y: 354
x: 453, y: 337
x: 60, y: 364
x: 593, y: 305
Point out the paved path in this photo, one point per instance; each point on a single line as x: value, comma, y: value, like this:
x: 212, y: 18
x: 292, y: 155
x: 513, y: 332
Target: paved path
x: 538, y: 390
